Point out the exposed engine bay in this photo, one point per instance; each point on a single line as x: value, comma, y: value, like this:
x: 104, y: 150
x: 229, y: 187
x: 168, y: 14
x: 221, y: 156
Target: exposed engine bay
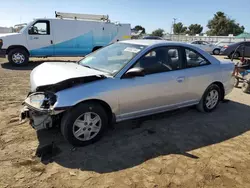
x: 39, y: 105
x: 69, y: 83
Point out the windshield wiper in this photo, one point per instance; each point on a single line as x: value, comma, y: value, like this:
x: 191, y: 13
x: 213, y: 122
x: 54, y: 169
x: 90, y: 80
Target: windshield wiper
x: 87, y: 66
x: 94, y: 68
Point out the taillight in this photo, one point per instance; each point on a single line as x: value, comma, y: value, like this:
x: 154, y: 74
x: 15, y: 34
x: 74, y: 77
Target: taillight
x: 226, y: 46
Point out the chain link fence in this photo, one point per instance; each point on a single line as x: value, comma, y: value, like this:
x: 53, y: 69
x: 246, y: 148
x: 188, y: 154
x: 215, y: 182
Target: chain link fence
x: 224, y: 40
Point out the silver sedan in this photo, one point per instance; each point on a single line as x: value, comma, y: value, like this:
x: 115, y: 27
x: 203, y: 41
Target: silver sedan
x: 122, y: 81
x: 207, y: 47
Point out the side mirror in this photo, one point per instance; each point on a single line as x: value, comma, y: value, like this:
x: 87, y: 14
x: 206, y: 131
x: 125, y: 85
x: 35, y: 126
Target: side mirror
x: 31, y: 30
x: 135, y: 72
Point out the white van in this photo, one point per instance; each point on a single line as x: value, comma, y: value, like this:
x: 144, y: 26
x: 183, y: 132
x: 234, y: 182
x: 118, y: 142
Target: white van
x: 67, y: 36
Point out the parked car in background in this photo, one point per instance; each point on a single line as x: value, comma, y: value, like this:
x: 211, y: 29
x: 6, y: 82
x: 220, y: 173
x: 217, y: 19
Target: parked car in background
x: 239, y: 48
x: 153, y: 38
x: 222, y: 43
x: 70, y: 35
x: 208, y: 47
x: 125, y: 80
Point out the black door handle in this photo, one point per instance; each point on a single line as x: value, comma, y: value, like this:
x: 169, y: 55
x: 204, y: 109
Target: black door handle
x: 51, y: 41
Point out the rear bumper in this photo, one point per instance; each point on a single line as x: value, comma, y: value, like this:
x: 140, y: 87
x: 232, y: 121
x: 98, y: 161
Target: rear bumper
x: 223, y: 51
x: 3, y: 53
x: 229, y: 86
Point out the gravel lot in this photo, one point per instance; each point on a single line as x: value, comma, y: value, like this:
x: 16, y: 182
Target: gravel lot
x: 182, y: 148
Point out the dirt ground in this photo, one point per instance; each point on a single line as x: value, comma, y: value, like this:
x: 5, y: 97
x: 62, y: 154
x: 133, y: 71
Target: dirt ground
x: 183, y: 148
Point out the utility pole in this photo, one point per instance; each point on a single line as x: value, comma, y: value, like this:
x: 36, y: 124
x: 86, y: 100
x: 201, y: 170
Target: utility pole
x: 174, y: 20
x: 172, y: 28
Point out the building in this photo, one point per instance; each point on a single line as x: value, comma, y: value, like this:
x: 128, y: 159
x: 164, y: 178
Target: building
x: 5, y: 30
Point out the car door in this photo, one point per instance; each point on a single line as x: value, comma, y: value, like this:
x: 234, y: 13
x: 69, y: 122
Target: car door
x: 40, y: 39
x: 199, y: 44
x: 199, y: 72
x: 205, y: 46
x: 196, y: 43
x: 163, y: 87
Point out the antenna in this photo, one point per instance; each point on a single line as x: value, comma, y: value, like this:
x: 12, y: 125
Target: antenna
x: 75, y: 16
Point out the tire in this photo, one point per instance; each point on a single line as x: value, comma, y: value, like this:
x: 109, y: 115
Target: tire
x: 96, y: 48
x: 202, y: 106
x: 22, y: 57
x: 88, y: 133
x: 245, y: 87
x: 236, y: 82
x: 236, y: 55
x: 216, y: 51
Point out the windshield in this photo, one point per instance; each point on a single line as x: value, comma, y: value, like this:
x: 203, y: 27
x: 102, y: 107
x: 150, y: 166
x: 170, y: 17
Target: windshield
x: 22, y: 29
x: 219, y: 42
x: 112, y: 58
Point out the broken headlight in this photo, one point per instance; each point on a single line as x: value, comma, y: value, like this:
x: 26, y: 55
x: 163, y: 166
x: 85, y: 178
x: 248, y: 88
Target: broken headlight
x: 42, y: 100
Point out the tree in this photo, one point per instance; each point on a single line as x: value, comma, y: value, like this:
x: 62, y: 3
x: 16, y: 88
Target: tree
x: 138, y: 28
x: 222, y: 25
x: 158, y: 32
x: 179, y: 28
x: 195, y: 29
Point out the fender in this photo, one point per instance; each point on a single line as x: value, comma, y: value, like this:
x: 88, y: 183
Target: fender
x: 16, y: 46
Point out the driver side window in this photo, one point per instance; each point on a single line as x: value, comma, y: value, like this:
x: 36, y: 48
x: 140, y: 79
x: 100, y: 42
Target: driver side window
x: 162, y: 59
x: 194, y: 59
x: 40, y: 28
x: 205, y: 43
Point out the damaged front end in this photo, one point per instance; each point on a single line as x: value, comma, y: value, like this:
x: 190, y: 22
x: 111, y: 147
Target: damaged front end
x: 39, y: 105
x: 42, y: 105
x: 38, y: 108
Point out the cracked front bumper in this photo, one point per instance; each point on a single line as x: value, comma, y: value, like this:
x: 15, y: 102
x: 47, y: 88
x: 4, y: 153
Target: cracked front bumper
x: 38, y: 120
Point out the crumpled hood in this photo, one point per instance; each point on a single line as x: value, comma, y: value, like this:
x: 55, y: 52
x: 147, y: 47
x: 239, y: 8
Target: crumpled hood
x: 50, y: 73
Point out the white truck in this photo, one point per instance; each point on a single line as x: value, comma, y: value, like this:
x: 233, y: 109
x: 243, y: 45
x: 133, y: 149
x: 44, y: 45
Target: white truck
x: 70, y: 35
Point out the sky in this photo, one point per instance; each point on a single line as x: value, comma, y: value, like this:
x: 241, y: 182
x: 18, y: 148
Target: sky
x: 151, y: 14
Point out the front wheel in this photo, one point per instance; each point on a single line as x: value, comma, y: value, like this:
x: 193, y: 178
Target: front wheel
x: 210, y: 99
x: 235, y: 55
x: 216, y: 51
x: 84, y: 124
x: 18, y: 57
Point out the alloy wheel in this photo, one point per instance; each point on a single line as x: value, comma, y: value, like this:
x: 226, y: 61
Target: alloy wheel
x: 18, y: 58
x: 212, y: 99
x: 87, y: 126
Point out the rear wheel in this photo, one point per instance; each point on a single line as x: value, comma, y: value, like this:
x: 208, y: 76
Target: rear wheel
x: 96, y: 48
x: 18, y: 57
x: 84, y: 124
x: 210, y: 99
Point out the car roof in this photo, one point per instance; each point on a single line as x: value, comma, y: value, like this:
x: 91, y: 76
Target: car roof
x: 152, y: 37
x: 238, y: 43
x: 150, y: 42
x: 199, y: 41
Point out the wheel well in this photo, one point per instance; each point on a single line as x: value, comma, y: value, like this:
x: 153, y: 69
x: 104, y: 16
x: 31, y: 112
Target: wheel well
x: 220, y: 85
x: 96, y: 48
x: 15, y: 47
x: 106, y: 107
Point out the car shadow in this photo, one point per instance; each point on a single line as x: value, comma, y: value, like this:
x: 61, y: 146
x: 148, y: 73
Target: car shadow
x: 134, y: 142
x: 31, y: 65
